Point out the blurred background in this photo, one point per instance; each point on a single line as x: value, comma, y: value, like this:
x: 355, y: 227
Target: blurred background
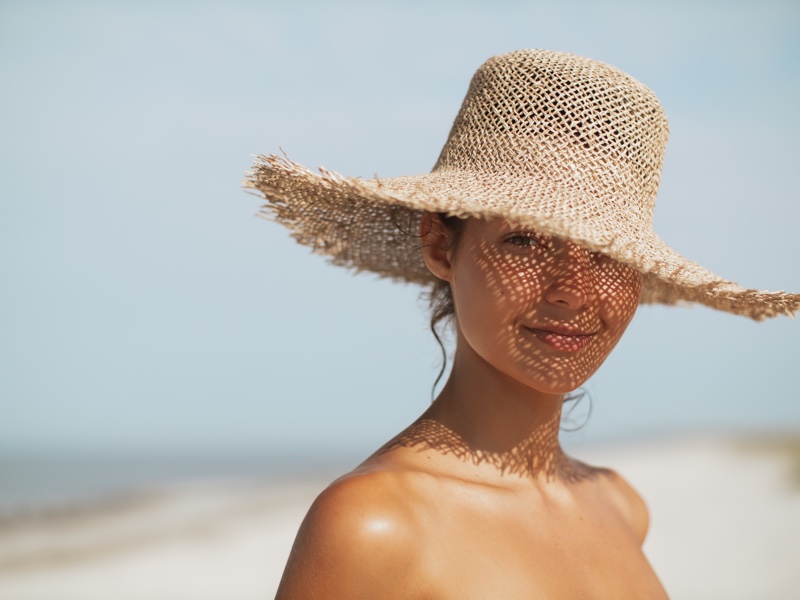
x: 155, y: 333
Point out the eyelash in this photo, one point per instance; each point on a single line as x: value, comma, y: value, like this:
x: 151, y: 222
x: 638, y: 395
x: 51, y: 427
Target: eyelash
x: 528, y: 239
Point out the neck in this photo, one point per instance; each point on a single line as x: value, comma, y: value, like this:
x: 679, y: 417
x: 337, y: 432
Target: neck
x: 494, y: 421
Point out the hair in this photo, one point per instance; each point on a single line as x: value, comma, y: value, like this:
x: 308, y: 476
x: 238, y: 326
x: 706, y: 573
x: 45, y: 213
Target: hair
x: 440, y: 296
x: 443, y: 313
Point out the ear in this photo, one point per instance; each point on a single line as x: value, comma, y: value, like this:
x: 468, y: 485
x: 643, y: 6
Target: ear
x: 436, y: 244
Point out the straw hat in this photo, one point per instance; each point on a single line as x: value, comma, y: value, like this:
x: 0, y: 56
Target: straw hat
x: 566, y: 145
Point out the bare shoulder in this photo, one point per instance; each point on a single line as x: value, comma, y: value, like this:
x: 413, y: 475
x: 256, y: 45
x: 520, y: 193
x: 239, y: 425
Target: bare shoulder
x: 357, y: 541
x: 626, y: 501
x: 612, y: 490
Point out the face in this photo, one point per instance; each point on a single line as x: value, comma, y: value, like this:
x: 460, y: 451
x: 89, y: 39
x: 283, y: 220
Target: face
x: 542, y: 310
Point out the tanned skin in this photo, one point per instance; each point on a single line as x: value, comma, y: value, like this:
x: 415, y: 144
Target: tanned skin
x: 476, y: 499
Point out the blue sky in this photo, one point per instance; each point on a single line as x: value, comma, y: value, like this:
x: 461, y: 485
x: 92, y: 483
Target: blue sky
x: 144, y: 305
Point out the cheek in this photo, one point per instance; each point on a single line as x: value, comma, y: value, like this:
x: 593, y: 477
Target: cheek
x: 618, y: 294
x: 494, y: 287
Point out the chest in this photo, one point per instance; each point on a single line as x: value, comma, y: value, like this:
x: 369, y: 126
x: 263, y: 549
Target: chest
x: 551, y: 553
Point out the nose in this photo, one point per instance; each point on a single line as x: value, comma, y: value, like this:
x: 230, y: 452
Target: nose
x: 572, y: 279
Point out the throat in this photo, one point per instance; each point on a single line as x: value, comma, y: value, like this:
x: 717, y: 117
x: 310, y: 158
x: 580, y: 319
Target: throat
x: 500, y: 436
x: 494, y: 424
x: 534, y: 458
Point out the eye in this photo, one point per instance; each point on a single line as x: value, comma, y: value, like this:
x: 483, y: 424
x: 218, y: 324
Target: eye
x: 525, y: 239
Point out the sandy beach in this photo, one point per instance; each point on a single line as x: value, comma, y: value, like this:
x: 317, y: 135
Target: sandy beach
x: 725, y: 524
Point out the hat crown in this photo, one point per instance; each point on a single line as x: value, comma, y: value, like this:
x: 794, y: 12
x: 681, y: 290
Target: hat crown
x: 564, y: 119
x: 565, y: 145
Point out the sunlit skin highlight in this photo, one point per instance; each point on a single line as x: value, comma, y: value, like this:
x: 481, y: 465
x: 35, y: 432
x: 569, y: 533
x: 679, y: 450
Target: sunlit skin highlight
x: 476, y: 499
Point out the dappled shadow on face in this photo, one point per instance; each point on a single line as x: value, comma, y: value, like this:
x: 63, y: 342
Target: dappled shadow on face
x: 539, y: 309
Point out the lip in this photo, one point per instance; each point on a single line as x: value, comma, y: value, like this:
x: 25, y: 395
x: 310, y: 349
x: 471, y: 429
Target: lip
x: 560, y: 339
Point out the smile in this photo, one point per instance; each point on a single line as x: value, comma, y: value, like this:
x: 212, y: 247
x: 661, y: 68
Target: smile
x: 566, y: 342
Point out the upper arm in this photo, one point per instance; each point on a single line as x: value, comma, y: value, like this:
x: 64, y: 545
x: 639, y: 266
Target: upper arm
x: 631, y: 506
x: 355, y: 542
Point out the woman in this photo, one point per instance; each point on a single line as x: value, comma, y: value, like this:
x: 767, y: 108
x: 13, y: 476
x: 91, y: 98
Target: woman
x: 535, y: 230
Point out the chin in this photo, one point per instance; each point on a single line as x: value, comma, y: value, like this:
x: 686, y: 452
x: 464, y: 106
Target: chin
x: 550, y: 383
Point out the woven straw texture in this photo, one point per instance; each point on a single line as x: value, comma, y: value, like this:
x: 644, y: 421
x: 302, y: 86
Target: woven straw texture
x: 566, y: 145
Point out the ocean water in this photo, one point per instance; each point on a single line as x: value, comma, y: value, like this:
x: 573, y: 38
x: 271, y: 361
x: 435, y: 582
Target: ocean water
x: 37, y: 481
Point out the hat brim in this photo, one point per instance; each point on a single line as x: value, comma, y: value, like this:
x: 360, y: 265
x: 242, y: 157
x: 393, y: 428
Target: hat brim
x: 372, y: 225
